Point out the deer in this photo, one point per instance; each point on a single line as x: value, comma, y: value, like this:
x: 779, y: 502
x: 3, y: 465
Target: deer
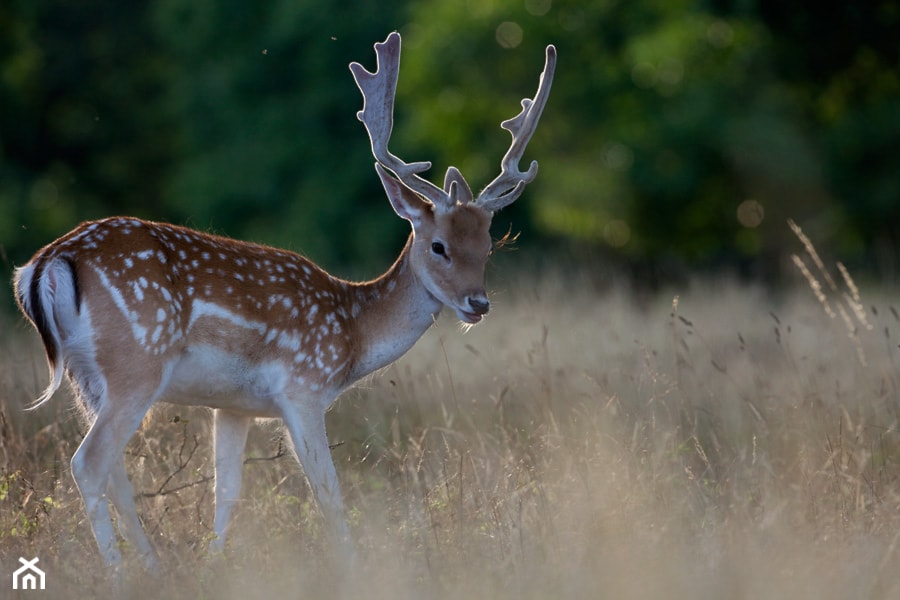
x: 134, y: 313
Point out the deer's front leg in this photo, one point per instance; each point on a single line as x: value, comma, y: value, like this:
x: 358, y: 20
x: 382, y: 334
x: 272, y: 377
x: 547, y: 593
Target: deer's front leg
x: 230, y: 433
x: 306, y: 427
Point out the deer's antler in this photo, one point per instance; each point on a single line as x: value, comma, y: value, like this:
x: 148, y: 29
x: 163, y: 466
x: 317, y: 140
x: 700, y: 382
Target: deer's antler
x: 378, y: 90
x: 508, y: 186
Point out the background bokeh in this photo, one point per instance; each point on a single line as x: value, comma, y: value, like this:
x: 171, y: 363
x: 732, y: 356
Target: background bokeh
x: 680, y: 135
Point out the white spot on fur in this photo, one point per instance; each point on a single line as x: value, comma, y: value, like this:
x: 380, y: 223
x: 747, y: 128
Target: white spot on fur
x: 289, y: 341
x: 201, y: 308
x: 139, y: 332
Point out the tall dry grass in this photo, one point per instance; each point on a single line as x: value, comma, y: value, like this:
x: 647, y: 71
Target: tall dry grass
x: 730, y: 443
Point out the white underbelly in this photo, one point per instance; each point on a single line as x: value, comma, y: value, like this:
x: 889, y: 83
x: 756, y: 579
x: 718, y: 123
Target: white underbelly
x: 208, y: 376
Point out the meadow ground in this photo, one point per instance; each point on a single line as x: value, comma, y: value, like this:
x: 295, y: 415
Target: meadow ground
x: 580, y: 443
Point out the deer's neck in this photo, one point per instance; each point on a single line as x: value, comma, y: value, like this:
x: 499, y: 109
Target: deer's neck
x: 393, y: 312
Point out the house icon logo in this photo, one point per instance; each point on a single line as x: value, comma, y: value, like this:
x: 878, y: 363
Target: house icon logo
x: 28, y: 576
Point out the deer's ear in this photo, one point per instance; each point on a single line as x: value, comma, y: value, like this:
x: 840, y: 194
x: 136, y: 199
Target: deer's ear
x: 406, y: 203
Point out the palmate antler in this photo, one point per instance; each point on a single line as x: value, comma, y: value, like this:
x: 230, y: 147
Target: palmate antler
x: 379, y: 89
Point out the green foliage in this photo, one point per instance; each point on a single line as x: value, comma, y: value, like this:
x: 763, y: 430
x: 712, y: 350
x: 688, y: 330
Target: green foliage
x: 79, y: 134
x: 687, y: 130
x: 232, y: 116
x: 269, y: 147
x: 667, y: 123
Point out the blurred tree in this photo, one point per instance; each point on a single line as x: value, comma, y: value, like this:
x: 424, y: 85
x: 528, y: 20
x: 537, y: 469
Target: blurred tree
x: 666, y: 133
x: 234, y: 116
x: 843, y: 63
x: 269, y: 146
x: 683, y: 130
x: 81, y: 133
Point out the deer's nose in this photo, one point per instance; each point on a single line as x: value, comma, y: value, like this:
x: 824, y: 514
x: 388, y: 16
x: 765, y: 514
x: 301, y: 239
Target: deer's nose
x: 479, y: 304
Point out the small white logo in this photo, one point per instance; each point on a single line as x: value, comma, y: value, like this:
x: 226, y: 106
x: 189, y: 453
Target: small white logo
x: 28, y: 576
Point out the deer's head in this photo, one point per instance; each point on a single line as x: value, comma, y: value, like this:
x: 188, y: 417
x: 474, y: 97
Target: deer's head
x: 451, y: 226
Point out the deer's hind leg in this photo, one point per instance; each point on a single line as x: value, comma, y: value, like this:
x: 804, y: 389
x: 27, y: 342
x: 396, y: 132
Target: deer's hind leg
x: 99, y: 472
x: 98, y: 466
x: 122, y: 497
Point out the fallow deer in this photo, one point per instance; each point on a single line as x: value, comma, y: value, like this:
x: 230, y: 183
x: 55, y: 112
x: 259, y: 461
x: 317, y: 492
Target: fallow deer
x: 135, y: 312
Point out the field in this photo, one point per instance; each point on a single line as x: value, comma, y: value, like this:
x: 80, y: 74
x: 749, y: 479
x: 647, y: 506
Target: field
x: 711, y: 441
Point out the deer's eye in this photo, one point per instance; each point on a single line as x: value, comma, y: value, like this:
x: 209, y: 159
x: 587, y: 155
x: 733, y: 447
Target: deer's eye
x: 438, y: 248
